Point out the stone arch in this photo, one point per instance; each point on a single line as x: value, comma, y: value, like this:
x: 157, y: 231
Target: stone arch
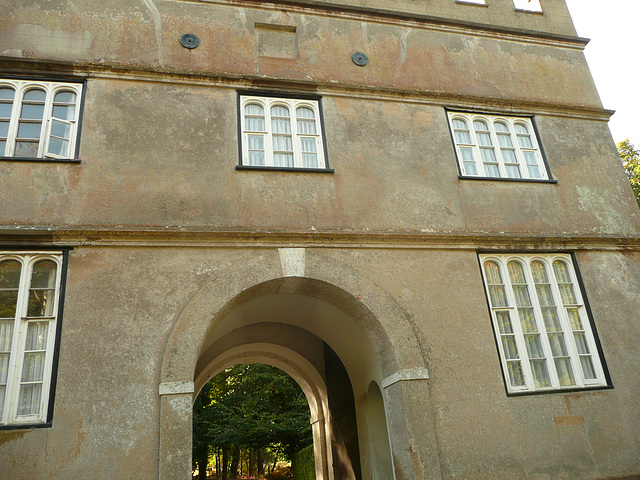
x: 322, y: 283
x: 374, y: 309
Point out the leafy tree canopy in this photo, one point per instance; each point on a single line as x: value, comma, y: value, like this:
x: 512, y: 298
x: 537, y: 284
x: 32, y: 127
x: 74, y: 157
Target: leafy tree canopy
x: 631, y: 161
x: 252, y: 406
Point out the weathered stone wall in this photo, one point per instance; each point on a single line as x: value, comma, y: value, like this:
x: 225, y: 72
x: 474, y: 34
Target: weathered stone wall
x: 391, y: 237
x: 122, y: 302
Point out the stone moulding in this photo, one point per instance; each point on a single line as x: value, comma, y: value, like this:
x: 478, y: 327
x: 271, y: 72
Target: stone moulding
x: 89, y: 70
x: 270, y: 238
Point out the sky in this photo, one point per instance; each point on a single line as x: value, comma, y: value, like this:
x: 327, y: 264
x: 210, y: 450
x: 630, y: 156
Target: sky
x: 613, y: 55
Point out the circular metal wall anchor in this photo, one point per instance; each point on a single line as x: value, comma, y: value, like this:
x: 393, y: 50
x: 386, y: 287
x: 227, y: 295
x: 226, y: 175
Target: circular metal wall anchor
x: 359, y: 59
x: 189, y: 40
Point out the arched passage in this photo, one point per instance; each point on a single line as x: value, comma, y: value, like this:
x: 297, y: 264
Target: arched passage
x: 242, y: 307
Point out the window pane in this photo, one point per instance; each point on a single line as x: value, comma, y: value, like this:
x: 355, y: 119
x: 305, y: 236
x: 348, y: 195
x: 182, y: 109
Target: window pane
x: 308, y: 145
x: 462, y: 137
x: 492, y: 271
x: 58, y: 146
x: 306, y: 121
x: 488, y: 155
x: 574, y: 319
x: 527, y: 320
x: 29, y: 399
x: 280, y: 125
x: 504, y: 323
x: 42, y: 291
x: 513, y: 171
x: 4, y: 128
x: 509, y: 347
x: 515, y: 374
x: 6, y: 93
x: 459, y: 124
x: 501, y: 127
x: 6, y: 334
x: 33, y: 367
x: 64, y: 112
x: 254, y: 124
x: 587, y: 368
x: 32, y: 112
x: 256, y: 158
x: 565, y: 372
x: 484, y: 139
x: 37, y: 336
x: 35, y: 95
x: 29, y: 130
x: 505, y: 141
x: 492, y: 171
x: 509, y: 156
x: 8, y: 301
x: 26, y: 149
x: 279, y: 111
x: 524, y: 141
x: 10, y: 274
x: 44, y: 274
x: 5, y: 110
x: 61, y: 129
x: 581, y: 343
x: 253, y: 109
x: 40, y: 303
x: 540, y: 373
x: 65, y: 97
x: 479, y: 125
x: 282, y: 143
x: 283, y: 159
x: 4, y: 368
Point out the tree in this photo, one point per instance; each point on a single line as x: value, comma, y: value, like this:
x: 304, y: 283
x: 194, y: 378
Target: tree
x: 249, y: 407
x: 631, y: 161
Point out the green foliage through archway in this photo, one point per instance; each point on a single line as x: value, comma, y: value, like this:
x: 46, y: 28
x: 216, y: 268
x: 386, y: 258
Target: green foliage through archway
x: 256, y: 412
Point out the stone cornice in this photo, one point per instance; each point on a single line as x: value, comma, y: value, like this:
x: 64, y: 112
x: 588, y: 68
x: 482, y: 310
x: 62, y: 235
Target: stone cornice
x: 217, y: 238
x: 42, y: 68
x: 414, y: 20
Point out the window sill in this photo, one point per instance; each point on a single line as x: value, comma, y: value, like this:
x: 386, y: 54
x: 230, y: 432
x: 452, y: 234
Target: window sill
x: 284, y: 169
x: 560, y: 390
x: 26, y: 426
x: 39, y: 160
x: 502, y: 179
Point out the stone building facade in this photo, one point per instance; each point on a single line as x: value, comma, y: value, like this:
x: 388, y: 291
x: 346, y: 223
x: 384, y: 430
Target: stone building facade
x: 415, y: 208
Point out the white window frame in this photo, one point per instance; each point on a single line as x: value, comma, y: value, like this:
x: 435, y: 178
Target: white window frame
x: 528, y: 5
x: 519, y: 151
x: 600, y: 377
x: 51, y: 89
x: 10, y: 415
x: 292, y: 104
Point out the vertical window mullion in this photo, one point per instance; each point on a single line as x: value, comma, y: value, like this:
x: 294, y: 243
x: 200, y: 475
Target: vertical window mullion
x: 568, y: 332
x: 544, y: 334
x: 296, y: 140
x: 517, y: 327
x: 268, y: 140
x: 46, y: 122
x: 12, y: 135
x: 522, y: 161
x: 17, y: 347
x: 477, y: 154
